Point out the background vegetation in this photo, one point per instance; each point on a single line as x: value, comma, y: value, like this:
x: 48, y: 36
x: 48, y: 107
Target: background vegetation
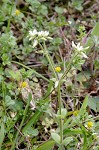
x: 49, y: 92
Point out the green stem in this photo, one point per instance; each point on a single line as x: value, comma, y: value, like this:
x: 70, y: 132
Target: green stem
x: 4, y: 95
x: 59, y: 92
x: 68, y: 67
x: 24, y: 115
x: 31, y: 70
x: 60, y: 113
x: 60, y: 102
x: 50, y: 61
x: 8, y: 25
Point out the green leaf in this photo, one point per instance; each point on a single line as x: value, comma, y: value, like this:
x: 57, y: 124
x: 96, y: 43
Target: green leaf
x: 47, y: 145
x: 83, y: 107
x: 56, y: 137
x: 95, y: 32
x: 9, y: 101
x: 1, y: 134
x: 15, y: 75
x: 18, y: 105
x: 30, y: 131
x: 93, y: 103
x: 85, y: 138
x: 67, y: 140
x: 63, y: 113
x: 59, y: 10
x: 1, y: 78
x: 77, y: 4
x: 43, y: 10
x: 46, y: 97
x: 33, y: 120
x: 72, y: 131
x: 83, y: 76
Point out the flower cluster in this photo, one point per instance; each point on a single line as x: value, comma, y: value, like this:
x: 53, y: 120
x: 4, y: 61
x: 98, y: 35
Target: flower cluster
x: 38, y: 36
x: 80, y: 49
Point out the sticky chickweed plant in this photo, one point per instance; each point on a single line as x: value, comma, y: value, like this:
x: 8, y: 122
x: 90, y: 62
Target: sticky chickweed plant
x: 78, y: 56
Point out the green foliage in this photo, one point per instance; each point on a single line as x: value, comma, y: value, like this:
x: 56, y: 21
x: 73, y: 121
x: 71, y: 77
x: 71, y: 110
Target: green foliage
x: 93, y: 40
x: 2, y: 134
x: 67, y: 140
x: 77, y: 4
x: 93, y: 103
x: 47, y: 145
x: 56, y: 137
x: 41, y: 108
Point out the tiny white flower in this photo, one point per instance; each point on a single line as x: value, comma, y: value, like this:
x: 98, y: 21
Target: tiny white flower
x: 70, y: 22
x: 13, y: 114
x: 35, y: 43
x: 80, y: 49
x: 40, y: 33
x: 78, y: 46
x: 38, y: 36
x: 43, y: 33
x: 46, y: 33
x: 73, y: 44
x: 94, y: 133
x: 32, y: 34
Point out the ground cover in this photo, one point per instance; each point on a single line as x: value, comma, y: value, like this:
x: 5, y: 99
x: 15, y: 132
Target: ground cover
x: 49, y: 75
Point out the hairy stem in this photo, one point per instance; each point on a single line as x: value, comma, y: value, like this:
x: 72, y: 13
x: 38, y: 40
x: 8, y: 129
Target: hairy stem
x: 60, y: 113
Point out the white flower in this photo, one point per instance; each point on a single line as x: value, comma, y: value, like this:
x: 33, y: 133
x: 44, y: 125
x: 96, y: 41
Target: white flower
x: 32, y: 34
x: 80, y: 49
x: 13, y: 114
x: 43, y: 33
x: 70, y: 22
x: 38, y: 36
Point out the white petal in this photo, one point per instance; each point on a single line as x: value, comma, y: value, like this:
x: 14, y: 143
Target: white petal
x: 78, y: 45
x: 32, y: 33
x: 73, y: 44
x: 43, y: 33
x: 35, y: 43
x: 70, y: 22
x: 79, y: 48
x: 39, y: 33
x: 84, y: 55
x: 46, y: 33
